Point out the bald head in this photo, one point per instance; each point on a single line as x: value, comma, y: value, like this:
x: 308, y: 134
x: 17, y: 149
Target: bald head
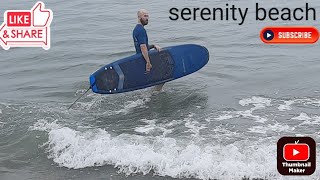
x: 141, y: 12
x: 143, y: 16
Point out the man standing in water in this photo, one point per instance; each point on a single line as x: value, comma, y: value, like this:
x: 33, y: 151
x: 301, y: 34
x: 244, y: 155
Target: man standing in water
x: 140, y: 39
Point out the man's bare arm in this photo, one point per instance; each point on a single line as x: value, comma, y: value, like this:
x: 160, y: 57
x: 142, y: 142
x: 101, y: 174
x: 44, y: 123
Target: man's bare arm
x: 145, y: 54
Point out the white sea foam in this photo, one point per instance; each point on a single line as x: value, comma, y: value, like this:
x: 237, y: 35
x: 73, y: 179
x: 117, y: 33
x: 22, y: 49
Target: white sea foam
x: 145, y: 129
x: 316, y: 120
x: 262, y: 103
x: 2, y: 124
x: 271, y: 127
x: 193, y: 125
x: 307, y: 101
x: 0, y: 111
x: 312, y: 102
x: 223, y: 117
x: 248, y: 114
x: 286, y: 106
x: 302, y: 117
x: 307, y: 120
x: 258, y: 129
x: 126, y: 107
x: 152, y: 127
x: 44, y: 125
x: 94, y: 102
x: 129, y: 105
x: 163, y: 156
x: 222, y: 134
x: 257, y: 102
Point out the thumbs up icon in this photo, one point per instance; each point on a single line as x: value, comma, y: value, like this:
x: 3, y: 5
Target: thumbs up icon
x: 40, y: 15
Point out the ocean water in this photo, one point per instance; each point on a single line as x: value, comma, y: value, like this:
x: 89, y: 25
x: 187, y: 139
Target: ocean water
x: 222, y: 122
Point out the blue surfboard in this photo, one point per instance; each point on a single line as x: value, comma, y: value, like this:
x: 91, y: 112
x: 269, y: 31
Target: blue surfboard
x: 128, y: 74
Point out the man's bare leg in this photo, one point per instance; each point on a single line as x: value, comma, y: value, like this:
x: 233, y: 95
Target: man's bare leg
x: 158, y: 87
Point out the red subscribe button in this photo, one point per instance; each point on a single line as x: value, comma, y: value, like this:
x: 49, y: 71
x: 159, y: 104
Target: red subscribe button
x: 289, y: 35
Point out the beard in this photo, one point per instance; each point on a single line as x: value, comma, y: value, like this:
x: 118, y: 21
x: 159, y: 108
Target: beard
x: 144, y: 22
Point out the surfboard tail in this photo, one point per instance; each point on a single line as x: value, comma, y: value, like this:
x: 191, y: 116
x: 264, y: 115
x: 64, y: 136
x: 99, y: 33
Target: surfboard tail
x: 93, y: 85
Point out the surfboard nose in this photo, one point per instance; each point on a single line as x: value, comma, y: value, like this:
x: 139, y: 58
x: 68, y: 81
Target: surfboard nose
x: 206, y: 55
x: 201, y: 56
